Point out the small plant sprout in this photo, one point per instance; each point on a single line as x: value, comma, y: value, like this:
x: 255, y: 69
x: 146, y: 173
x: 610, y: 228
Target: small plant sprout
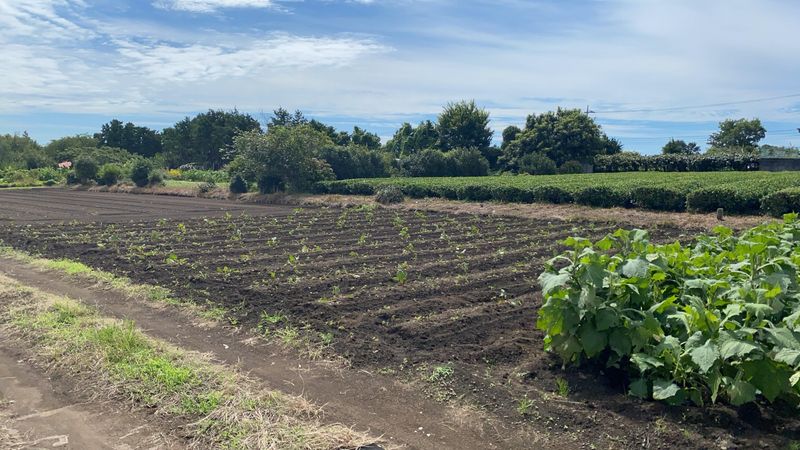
x: 562, y: 387
x: 402, y: 273
x: 441, y: 373
x: 524, y: 406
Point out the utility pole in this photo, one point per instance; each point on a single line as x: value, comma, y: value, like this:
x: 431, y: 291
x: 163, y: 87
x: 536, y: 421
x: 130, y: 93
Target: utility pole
x: 589, y: 111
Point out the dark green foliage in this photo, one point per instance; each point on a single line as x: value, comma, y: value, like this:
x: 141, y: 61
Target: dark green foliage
x: 389, y: 194
x: 552, y: 194
x: 680, y: 147
x: 140, y: 172
x: 353, y: 162
x: 14, y: 148
x: 137, y: 140
x: 238, y: 185
x: 782, y: 202
x: 468, y: 162
x: 602, y: 196
x: 738, y: 134
x: 85, y: 169
x: 156, y: 178
x: 561, y: 135
x: 660, y: 198
x: 571, y: 167
x: 427, y: 163
x: 714, y: 320
x: 633, y: 162
x: 206, y: 139
x: 408, y: 140
x: 537, y: 164
x: 283, y: 158
x: 59, y: 149
x: 101, y: 155
x: 206, y: 187
x: 463, y: 125
x: 109, y: 174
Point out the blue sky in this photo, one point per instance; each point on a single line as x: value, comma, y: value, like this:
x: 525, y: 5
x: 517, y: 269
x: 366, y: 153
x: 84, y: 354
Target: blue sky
x: 648, y: 68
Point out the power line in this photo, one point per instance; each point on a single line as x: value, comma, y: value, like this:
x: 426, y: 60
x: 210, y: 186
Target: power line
x: 709, y: 105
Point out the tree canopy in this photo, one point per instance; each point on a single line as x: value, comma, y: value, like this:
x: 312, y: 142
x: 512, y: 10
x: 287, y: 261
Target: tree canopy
x: 135, y: 139
x: 741, y: 134
x: 206, y: 139
x: 680, y: 147
x: 562, y: 135
x: 463, y: 125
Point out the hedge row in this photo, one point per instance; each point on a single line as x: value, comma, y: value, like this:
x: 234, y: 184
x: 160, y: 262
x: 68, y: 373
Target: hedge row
x: 736, y: 192
x: 634, y: 162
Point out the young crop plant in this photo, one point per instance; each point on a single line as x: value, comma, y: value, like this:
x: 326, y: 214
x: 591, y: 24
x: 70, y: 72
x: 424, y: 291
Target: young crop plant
x: 401, y: 275
x: 718, y: 320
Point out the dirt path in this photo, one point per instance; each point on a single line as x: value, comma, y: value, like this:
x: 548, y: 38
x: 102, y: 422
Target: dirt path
x: 361, y: 399
x: 37, y: 413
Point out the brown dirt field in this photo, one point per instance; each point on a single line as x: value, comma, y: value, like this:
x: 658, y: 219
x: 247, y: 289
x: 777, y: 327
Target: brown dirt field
x: 445, y: 301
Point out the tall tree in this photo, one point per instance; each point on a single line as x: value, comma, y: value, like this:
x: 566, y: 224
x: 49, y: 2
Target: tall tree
x: 135, y: 139
x: 283, y: 118
x: 408, y: 140
x: 206, y: 139
x: 365, y: 139
x: 562, y: 135
x: 680, y: 147
x: 738, y: 134
x: 464, y: 125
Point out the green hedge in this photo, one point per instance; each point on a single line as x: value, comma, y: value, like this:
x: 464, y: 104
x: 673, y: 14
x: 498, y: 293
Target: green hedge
x: 782, y: 202
x: 736, y: 192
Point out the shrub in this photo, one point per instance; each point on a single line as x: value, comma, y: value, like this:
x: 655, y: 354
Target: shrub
x: 140, y: 172
x: 156, y: 178
x: 476, y: 193
x: 427, y: 163
x: 659, y: 198
x: 50, y: 182
x: 552, y: 194
x: 602, y: 196
x: 109, y: 174
x: 389, y: 194
x: 85, y: 169
x: 468, y: 162
x: 730, y: 199
x: 206, y: 187
x: 72, y: 178
x: 537, y: 164
x: 713, y: 320
x: 781, y: 202
x: 571, y: 167
x: 238, y: 185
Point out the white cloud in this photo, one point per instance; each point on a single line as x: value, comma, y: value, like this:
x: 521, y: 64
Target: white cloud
x: 209, y: 6
x: 40, y: 19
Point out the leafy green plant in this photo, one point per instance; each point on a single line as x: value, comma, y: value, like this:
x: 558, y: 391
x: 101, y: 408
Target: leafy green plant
x: 716, y: 320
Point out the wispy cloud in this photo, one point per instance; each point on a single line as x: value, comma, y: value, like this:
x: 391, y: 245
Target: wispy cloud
x: 209, y: 6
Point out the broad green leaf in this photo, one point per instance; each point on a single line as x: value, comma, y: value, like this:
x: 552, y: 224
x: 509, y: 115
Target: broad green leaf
x: 551, y: 282
x: 605, y: 319
x: 741, y: 392
x: 620, y: 342
x: 767, y: 377
x: 635, y: 268
x: 794, y: 379
x: 736, y: 348
x: 788, y: 356
x: 705, y: 356
x: 593, y: 341
x: 664, y: 389
x: 639, y: 388
x: 645, y: 362
x: 783, y: 337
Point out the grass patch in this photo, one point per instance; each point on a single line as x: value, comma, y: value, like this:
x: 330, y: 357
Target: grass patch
x: 216, y: 406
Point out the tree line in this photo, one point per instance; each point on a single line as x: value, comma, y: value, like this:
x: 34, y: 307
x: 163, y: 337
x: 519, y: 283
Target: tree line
x: 291, y: 151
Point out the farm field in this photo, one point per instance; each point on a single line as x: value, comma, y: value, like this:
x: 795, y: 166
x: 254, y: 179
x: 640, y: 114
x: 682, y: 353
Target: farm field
x: 737, y: 192
x: 443, y: 301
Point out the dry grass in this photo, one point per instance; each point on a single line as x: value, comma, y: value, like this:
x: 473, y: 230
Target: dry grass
x: 213, y: 405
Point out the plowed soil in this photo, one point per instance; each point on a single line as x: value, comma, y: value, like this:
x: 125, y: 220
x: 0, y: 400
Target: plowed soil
x: 444, y: 300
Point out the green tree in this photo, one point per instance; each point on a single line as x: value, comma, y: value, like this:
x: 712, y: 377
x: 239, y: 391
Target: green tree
x: 738, y: 134
x: 283, y: 118
x: 680, y: 147
x: 135, y: 139
x: 562, y: 135
x: 282, y: 158
x: 509, y: 134
x: 463, y: 125
x: 366, y: 139
x: 206, y: 139
x: 16, y: 149
x: 59, y: 149
x: 408, y: 139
